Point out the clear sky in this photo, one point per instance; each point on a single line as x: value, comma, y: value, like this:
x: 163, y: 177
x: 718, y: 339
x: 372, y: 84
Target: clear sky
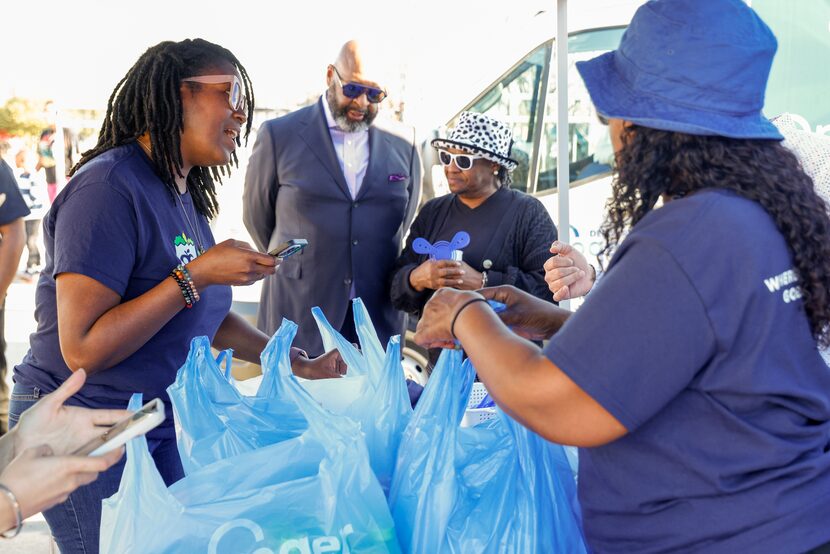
x: 75, y: 51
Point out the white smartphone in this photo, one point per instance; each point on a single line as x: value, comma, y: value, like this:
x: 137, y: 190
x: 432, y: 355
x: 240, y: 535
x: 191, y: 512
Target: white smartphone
x: 148, y: 417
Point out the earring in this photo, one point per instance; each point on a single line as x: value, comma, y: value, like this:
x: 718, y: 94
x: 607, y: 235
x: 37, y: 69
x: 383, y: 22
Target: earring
x: 495, y: 172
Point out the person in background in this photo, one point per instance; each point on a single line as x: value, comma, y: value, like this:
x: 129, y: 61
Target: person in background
x: 690, y: 378
x: 12, y: 238
x: 133, y: 272
x: 328, y: 174
x: 811, y: 149
x: 37, y: 467
x: 35, y: 198
x: 46, y: 161
x: 509, y: 231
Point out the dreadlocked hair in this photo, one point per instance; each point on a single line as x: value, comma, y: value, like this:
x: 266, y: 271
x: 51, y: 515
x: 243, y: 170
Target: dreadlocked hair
x: 653, y: 162
x: 148, y: 99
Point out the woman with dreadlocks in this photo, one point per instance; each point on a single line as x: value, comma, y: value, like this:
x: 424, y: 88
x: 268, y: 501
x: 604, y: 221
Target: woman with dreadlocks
x: 133, y: 272
x: 691, y: 376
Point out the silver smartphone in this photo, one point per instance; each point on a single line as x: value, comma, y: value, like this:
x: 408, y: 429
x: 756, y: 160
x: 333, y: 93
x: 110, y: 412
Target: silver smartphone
x: 148, y: 417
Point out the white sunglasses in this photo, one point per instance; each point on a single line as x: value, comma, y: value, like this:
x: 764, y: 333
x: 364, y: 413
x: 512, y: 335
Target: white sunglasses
x: 462, y: 161
x: 236, y: 99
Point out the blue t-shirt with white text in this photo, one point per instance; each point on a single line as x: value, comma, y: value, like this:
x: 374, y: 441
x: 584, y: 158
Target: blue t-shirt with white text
x: 697, y: 342
x: 117, y: 223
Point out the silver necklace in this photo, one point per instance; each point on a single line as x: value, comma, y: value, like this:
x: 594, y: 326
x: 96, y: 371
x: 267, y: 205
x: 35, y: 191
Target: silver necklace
x: 193, y: 229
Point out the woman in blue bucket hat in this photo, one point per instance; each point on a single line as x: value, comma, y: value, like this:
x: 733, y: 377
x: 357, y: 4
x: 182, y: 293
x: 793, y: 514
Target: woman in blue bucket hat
x: 691, y: 376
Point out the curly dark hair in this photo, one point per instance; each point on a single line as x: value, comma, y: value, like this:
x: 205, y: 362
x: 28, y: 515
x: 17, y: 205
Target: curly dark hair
x: 148, y: 99
x: 652, y: 163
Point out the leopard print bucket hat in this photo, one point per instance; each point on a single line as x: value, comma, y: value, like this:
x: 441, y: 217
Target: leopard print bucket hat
x: 477, y: 133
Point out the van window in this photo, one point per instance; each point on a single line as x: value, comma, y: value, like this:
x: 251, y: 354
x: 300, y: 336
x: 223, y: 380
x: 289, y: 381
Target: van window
x: 514, y: 99
x: 799, y: 79
x: 590, y: 148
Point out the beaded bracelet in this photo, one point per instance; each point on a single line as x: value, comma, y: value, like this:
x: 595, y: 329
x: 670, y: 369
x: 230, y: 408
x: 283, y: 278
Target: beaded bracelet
x: 17, y: 513
x: 176, y: 275
x: 191, y: 287
x: 189, y: 279
x: 185, y: 282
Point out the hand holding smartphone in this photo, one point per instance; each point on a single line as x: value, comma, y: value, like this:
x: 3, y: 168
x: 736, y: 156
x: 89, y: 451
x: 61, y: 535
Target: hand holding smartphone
x: 288, y: 248
x: 148, y: 417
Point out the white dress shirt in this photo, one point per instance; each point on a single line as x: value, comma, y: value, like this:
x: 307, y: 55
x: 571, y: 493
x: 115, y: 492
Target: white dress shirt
x: 352, y: 151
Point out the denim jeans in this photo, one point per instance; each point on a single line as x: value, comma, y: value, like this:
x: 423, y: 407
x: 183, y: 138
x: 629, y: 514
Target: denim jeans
x: 4, y: 388
x: 76, y: 523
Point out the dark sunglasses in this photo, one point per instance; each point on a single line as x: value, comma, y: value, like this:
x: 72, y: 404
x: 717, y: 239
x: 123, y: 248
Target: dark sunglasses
x: 354, y: 90
x: 462, y: 161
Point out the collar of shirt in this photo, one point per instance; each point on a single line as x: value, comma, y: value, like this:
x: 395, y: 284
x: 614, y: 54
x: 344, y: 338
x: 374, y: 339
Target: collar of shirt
x: 352, y: 151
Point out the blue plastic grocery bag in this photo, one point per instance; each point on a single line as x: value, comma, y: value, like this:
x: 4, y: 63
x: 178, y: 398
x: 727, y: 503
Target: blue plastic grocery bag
x: 311, y: 493
x: 424, y: 487
x: 214, y: 421
x: 379, y: 403
x: 497, y: 487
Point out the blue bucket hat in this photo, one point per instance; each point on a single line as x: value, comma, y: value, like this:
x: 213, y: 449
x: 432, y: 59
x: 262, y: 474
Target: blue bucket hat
x: 696, y: 67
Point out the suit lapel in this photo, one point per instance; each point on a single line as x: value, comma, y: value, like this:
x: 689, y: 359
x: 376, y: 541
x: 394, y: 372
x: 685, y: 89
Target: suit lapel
x: 376, y: 171
x: 316, y: 135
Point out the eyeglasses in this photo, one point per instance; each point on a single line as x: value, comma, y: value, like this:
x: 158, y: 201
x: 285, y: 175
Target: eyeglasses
x: 236, y: 99
x: 462, y: 161
x: 354, y: 90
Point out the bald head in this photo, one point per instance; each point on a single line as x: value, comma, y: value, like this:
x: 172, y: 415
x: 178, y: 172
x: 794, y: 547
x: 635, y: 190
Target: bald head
x: 359, y: 64
x: 353, y: 65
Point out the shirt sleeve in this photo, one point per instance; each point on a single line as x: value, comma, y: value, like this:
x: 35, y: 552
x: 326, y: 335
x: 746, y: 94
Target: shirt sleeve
x: 639, y: 339
x: 12, y: 205
x: 96, y: 235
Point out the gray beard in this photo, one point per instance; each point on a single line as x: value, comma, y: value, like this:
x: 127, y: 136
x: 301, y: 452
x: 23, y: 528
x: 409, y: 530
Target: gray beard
x: 342, y: 120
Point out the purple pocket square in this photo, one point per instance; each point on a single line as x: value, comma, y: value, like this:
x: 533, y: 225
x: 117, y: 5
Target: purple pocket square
x: 397, y: 178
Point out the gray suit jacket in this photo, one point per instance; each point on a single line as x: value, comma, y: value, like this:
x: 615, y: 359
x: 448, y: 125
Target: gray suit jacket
x: 294, y: 188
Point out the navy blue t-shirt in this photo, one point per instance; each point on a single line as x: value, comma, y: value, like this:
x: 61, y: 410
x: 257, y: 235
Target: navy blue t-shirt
x: 117, y: 223
x: 696, y: 341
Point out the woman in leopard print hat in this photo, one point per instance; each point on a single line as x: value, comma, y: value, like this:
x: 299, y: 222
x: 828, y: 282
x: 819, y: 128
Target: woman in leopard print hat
x: 509, y: 231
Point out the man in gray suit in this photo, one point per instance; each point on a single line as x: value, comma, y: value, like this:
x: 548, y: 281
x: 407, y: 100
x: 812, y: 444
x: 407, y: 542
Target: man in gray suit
x: 326, y: 174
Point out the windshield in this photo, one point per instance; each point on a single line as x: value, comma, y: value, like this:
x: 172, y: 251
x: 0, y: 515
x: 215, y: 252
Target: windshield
x: 800, y: 79
x: 516, y: 99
